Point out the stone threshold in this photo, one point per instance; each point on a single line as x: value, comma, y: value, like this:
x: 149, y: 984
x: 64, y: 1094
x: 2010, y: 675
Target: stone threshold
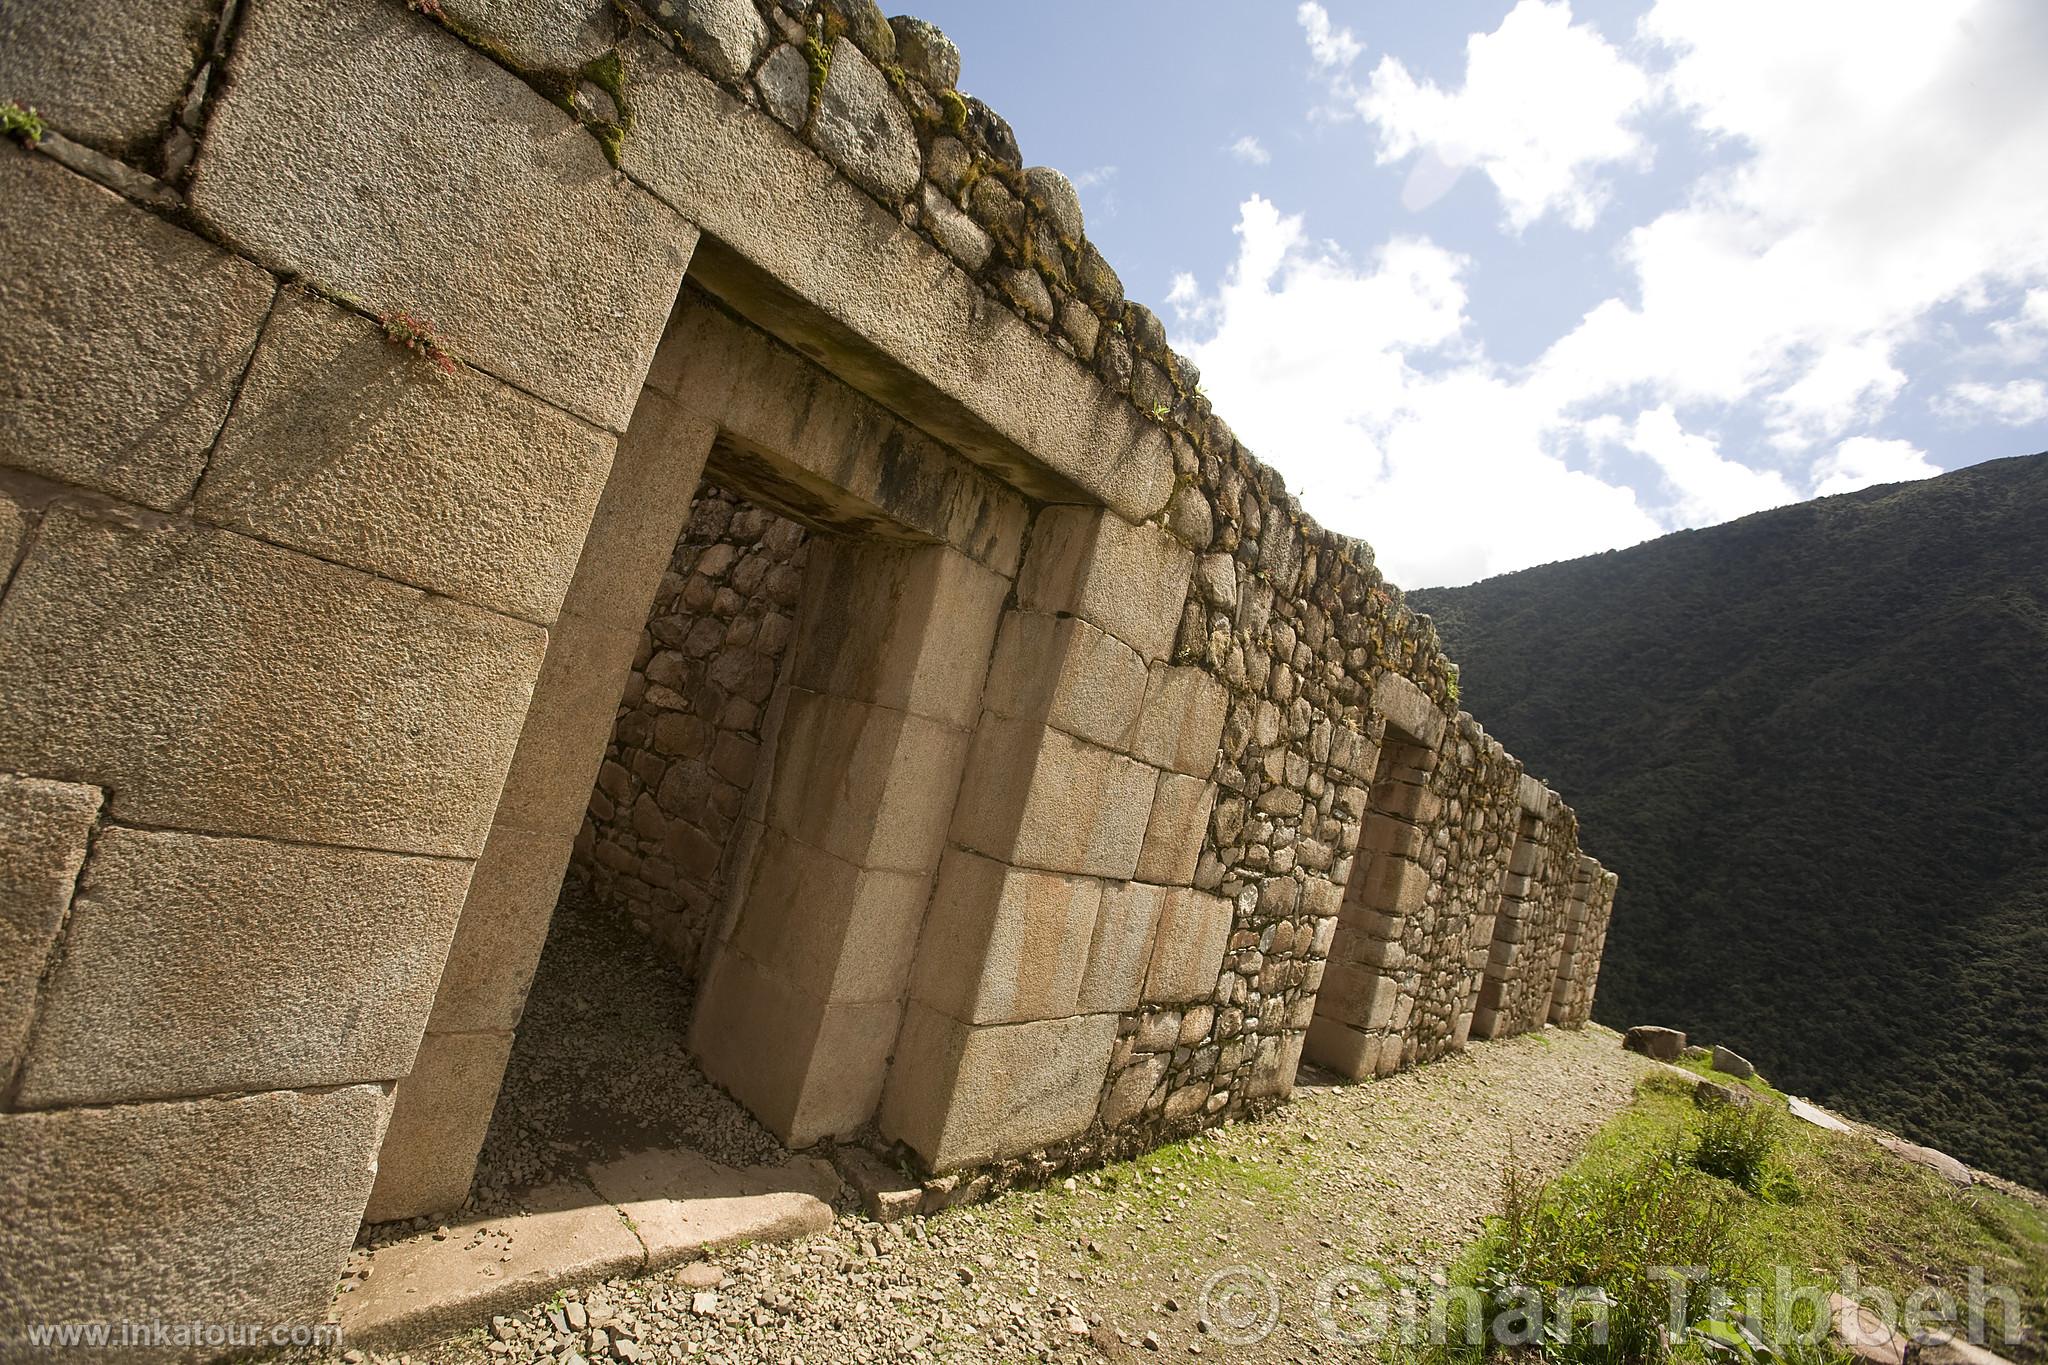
x: 639, y: 1214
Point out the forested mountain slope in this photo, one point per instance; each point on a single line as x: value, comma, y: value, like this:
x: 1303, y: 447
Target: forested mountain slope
x: 1814, y: 743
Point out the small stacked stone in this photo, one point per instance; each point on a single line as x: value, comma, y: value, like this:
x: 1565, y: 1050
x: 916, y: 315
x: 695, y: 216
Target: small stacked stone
x: 684, y: 753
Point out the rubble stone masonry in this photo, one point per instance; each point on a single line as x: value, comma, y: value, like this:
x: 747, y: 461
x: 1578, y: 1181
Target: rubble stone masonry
x: 680, y: 443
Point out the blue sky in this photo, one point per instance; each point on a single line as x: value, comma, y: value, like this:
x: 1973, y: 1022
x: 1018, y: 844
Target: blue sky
x: 1500, y: 283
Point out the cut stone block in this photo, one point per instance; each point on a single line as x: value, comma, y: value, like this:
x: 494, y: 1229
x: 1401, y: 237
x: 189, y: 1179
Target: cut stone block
x: 229, y: 1211
x: 1408, y: 710
x: 504, y: 921
x: 1122, y: 949
x: 1066, y: 673
x: 427, y: 1285
x: 542, y: 35
x: 1336, y: 1046
x: 1037, y: 797
x: 1363, y: 997
x: 906, y: 629
x: 866, y: 783
x: 43, y: 831
x: 681, y: 1205
x: 1174, y: 834
x: 438, y: 1120
x: 855, y: 464
x: 195, y: 965
x: 831, y: 929
x: 1181, y: 726
x: 216, y: 683
x: 961, y: 1095
x: 805, y: 1068
x: 1128, y: 580
x: 885, y: 1193
x: 138, y: 331
x: 908, y: 327
x: 359, y: 451
x: 646, y: 501
x: 1003, y: 944
x: 562, y: 288
x: 105, y: 73
x: 1187, y: 951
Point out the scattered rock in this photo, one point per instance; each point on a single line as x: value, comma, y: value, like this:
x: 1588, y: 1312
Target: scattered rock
x: 1665, y: 1044
x: 1733, y: 1063
x: 1941, y: 1163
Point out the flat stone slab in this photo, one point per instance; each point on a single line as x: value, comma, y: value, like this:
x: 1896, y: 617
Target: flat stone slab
x: 682, y: 1204
x: 642, y: 1212
x: 1864, y: 1334
x: 1941, y: 1163
x: 1815, y: 1115
x: 428, y: 1284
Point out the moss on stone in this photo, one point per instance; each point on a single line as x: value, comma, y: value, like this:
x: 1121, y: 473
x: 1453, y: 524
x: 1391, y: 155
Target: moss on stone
x: 956, y: 110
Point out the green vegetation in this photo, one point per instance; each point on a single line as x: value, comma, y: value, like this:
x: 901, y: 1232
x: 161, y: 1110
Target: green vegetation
x: 1811, y: 743
x: 1774, y: 1214
x: 420, y: 337
x: 21, y: 123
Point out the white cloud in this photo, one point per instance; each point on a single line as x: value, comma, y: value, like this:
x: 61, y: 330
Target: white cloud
x: 1874, y: 177
x: 1707, y: 487
x: 1546, y: 109
x: 1862, y: 461
x: 2023, y: 337
x: 2016, y: 403
x: 1332, y: 48
x: 1451, y: 476
x: 1250, y: 150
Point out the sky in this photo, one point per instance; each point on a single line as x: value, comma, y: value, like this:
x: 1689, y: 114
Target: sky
x: 1496, y: 284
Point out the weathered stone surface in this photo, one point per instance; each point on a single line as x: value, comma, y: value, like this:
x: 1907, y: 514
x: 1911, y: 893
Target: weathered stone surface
x: 960, y: 1095
x: 828, y: 928
x: 43, y: 831
x: 784, y: 81
x: 1941, y: 1163
x: 959, y: 234
x: 1122, y: 949
x: 221, y: 1210
x: 906, y: 325
x: 1408, y: 710
x: 102, y: 72
x: 681, y: 1205
x: 1173, y: 835
x: 1001, y: 944
x: 863, y: 128
x: 1068, y: 674
x: 562, y: 288
x: 215, y: 683
x: 725, y: 36
x: 866, y: 783
x: 138, y: 332
x: 1054, y: 195
x: 438, y: 1119
x: 358, y: 451
x: 542, y: 35
x: 1732, y: 1062
x: 925, y: 53
x: 194, y: 966
x: 1128, y: 580
x: 1038, y: 797
x: 885, y: 1193
x: 504, y: 920
x: 806, y: 1068
x: 1182, y: 720
x: 841, y: 458
x: 1187, y: 951
x: 908, y: 629
x: 1664, y: 1044
x: 428, y: 1284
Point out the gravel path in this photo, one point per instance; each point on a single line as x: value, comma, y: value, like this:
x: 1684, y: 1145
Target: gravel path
x: 1112, y: 1265
x: 600, y: 1065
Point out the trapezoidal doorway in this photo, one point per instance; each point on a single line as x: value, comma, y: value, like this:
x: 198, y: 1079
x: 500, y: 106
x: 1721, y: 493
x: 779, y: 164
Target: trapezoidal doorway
x: 745, y: 743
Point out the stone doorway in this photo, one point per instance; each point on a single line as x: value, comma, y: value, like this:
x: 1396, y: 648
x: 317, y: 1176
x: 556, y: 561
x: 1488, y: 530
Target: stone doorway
x: 1513, y: 926
x: 1359, y: 1015
x: 746, y: 740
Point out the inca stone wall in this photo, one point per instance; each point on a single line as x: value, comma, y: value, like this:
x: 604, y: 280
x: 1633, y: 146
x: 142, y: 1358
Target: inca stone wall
x: 349, y: 571
x: 666, y: 812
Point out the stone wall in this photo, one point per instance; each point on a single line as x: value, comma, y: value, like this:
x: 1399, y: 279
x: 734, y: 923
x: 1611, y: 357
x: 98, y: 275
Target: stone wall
x: 666, y: 812
x: 328, y: 546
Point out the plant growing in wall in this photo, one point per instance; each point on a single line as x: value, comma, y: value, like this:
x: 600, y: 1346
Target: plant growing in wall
x: 21, y: 123
x: 419, y: 336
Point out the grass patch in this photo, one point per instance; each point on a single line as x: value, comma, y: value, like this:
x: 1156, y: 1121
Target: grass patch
x: 1772, y: 1214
